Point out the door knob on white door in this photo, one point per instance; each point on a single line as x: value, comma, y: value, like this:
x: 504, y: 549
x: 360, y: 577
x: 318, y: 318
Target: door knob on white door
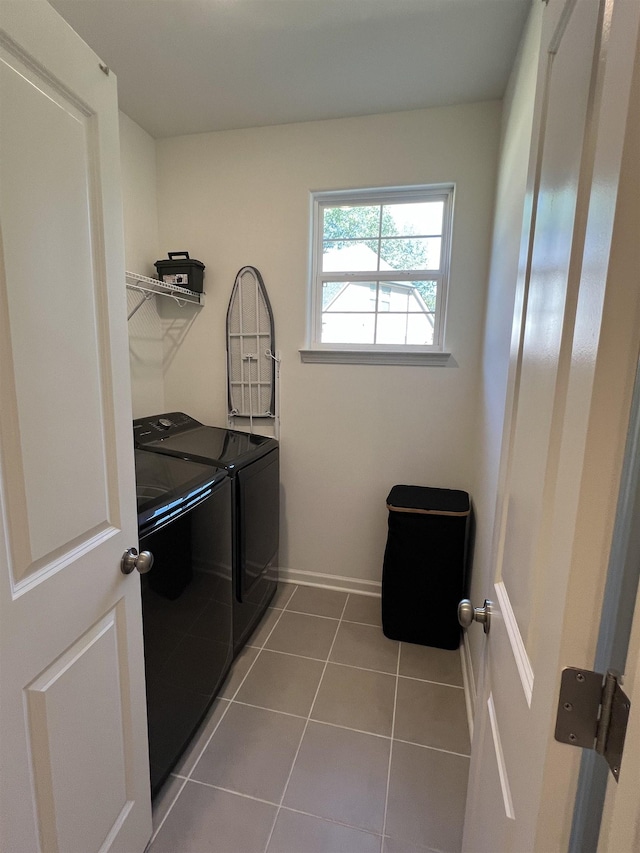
x: 467, y: 614
x: 132, y: 560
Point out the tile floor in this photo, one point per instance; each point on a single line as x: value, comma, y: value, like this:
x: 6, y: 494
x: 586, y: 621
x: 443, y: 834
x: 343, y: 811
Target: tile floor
x: 326, y: 738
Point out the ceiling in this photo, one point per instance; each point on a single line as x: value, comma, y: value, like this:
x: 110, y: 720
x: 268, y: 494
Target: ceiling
x: 189, y: 66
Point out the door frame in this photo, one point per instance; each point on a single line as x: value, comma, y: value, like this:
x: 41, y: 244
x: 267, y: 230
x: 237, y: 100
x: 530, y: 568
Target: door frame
x: 616, y: 622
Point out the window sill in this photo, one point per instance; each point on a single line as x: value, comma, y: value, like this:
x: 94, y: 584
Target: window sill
x: 337, y: 356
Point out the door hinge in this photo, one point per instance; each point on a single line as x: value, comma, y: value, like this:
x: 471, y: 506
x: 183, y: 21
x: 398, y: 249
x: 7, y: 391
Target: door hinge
x: 593, y: 712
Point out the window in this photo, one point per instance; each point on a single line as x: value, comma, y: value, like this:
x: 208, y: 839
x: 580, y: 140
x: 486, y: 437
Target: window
x: 380, y: 261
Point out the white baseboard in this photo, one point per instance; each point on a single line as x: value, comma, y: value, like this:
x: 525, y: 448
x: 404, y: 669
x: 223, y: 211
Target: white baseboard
x: 336, y: 582
x: 468, y: 680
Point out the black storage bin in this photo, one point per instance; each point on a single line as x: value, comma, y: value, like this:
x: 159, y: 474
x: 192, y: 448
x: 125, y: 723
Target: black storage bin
x: 424, y: 565
x: 182, y: 271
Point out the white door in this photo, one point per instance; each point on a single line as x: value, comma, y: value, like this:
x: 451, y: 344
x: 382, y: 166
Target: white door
x: 73, y: 719
x: 574, y: 354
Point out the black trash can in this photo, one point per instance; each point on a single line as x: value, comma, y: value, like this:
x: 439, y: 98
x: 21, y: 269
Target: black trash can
x: 424, y: 565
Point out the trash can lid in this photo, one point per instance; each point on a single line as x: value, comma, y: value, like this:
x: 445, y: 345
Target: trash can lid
x: 428, y: 501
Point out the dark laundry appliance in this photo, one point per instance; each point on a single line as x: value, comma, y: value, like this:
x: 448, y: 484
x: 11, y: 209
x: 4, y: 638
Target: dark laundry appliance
x: 252, y: 462
x: 184, y: 519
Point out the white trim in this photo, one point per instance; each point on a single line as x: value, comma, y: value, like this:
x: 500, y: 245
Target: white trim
x: 402, y: 357
x: 525, y: 670
x: 383, y: 195
x: 377, y: 196
x: 502, y: 769
x: 468, y: 681
x: 335, y: 582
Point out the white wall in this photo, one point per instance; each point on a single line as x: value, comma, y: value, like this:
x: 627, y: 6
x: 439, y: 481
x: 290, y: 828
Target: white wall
x: 503, y: 275
x: 138, y: 165
x: 349, y: 432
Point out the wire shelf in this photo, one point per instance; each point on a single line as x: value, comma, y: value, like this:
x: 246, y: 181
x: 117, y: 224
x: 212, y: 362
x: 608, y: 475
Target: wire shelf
x: 153, y: 286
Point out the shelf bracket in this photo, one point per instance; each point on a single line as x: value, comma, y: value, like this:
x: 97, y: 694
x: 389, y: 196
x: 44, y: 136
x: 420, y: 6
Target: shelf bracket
x: 145, y: 298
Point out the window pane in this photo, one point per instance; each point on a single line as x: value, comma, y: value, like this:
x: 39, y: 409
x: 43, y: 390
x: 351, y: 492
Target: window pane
x: 421, y: 218
x: 350, y: 256
x: 425, y: 294
x: 351, y: 222
x: 401, y: 329
x: 347, y: 328
x: 330, y: 290
x: 405, y: 253
x: 340, y: 296
x: 400, y: 296
x: 420, y: 329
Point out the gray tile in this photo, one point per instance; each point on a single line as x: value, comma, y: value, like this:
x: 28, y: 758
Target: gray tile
x: 299, y: 833
x: 300, y: 634
x: 201, y: 738
x: 364, y: 609
x: 356, y: 698
x: 319, y: 602
x: 251, y: 752
x: 282, y: 683
x: 265, y: 627
x: 365, y: 646
x: 165, y: 799
x: 205, y: 820
x: 432, y: 714
x: 427, y: 793
x: 282, y: 595
x: 340, y: 775
x: 430, y: 664
x: 239, y: 669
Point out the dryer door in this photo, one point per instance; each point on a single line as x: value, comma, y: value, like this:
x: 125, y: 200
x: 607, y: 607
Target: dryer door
x: 258, y: 501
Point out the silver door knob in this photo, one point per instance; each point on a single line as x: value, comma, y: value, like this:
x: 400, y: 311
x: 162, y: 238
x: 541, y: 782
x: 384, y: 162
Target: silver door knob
x: 132, y: 560
x: 467, y: 614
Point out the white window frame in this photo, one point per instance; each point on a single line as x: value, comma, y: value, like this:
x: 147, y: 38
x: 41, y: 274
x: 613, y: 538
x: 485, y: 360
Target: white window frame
x: 316, y: 350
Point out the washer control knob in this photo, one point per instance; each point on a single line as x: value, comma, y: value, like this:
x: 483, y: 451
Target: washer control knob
x: 165, y: 423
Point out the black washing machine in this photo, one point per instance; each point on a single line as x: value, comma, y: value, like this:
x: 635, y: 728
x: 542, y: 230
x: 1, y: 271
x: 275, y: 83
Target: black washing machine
x: 184, y: 519
x: 252, y: 462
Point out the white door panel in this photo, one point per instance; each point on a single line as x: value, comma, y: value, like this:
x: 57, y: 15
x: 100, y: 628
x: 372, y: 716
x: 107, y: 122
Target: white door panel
x: 79, y: 740
x: 74, y: 742
x: 530, y: 483
x: 51, y: 313
x: 491, y: 811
